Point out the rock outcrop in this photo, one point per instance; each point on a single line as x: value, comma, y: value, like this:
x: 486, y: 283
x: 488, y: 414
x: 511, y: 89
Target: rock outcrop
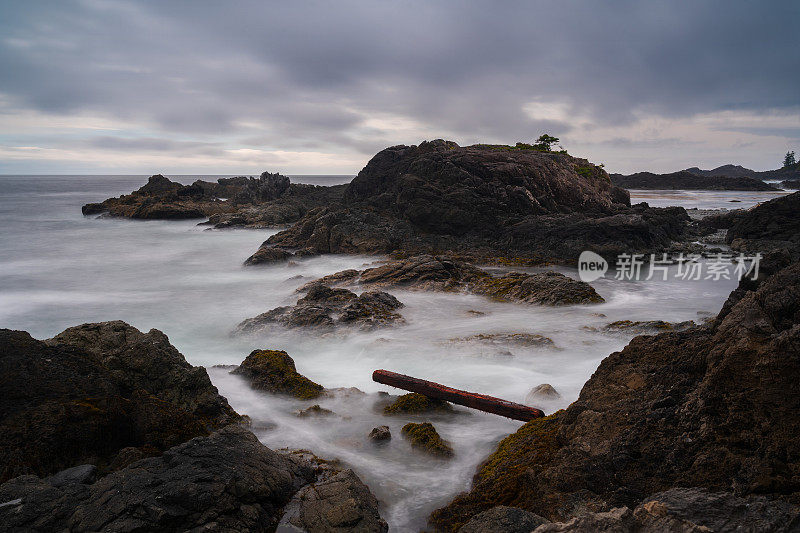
x: 502, y: 519
x: 96, y: 394
x: 482, y: 202
x: 324, y: 308
x: 687, y: 180
x: 225, y: 481
x: 713, y: 407
x: 267, y: 201
x: 414, y: 403
x: 274, y: 371
x: 773, y: 225
x: 427, y: 272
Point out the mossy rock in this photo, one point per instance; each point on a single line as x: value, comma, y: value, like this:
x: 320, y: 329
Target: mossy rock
x: 414, y: 403
x: 424, y: 437
x: 274, y: 371
x: 315, y: 410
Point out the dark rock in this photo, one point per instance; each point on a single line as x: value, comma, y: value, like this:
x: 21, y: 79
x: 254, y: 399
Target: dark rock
x: 414, y: 403
x: 94, y: 390
x: 341, y: 503
x: 769, y: 226
x: 93, y: 209
x: 503, y: 519
x: 689, y: 181
x: 315, y: 410
x: 647, y: 326
x: 157, y: 185
x: 524, y: 340
x: 225, y: 481
x: 325, y: 308
x: 425, y: 437
x: 380, y: 434
x: 266, y: 187
x: 76, y: 474
x: 691, y: 510
x: 274, y: 371
x: 268, y: 255
x: 790, y: 184
x: 426, y: 272
x: 712, y: 407
x: 488, y: 203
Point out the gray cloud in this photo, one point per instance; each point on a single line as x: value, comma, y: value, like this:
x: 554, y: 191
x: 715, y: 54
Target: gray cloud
x: 305, y: 75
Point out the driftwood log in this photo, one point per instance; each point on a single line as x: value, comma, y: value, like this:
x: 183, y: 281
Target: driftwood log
x: 481, y: 402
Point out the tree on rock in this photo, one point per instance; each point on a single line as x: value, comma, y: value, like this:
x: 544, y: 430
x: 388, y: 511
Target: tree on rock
x: 545, y: 142
x: 789, y: 160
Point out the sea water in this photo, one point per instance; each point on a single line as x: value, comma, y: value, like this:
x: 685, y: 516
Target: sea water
x: 59, y: 269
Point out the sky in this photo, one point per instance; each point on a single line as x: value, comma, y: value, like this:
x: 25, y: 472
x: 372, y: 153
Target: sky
x: 305, y: 87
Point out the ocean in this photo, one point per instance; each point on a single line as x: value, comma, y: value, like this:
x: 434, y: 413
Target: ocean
x: 59, y: 269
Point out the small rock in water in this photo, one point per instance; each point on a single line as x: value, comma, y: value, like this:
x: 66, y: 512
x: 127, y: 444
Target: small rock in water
x: 274, y: 371
x: 425, y: 437
x: 416, y: 403
x: 542, y: 393
x: 380, y: 434
x: 315, y: 411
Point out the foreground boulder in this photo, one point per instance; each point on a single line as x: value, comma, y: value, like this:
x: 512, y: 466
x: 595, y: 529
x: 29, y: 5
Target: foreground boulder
x: 427, y: 272
x: 225, y: 481
x: 483, y: 202
x: 424, y: 437
x: 98, y: 394
x: 713, y: 407
x: 340, y: 503
x: 326, y: 308
x: 274, y: 371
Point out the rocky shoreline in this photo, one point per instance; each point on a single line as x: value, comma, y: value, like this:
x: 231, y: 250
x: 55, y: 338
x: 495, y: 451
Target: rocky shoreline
x: 688, y: 428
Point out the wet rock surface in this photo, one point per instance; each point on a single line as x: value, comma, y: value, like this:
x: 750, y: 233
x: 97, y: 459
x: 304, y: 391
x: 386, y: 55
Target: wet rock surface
x: 502, y: 519
x: 711, y: 407
x: 94, y: 392
x: 340, y: 503
x: 225, y: 481
x: 325, y: 308
x: 274, y: 371
x: 647, y: 326
x: 424, y: 437
x: 482, y: 202
x: 523, y: 340
x: 380, y: 434
x: 427, y: 272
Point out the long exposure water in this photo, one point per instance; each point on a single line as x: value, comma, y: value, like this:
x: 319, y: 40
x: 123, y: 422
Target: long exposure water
x: 59, y: 269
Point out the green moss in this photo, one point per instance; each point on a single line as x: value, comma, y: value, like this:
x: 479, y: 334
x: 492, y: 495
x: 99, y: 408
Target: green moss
x: 424, y: 437
x: 274, y: 371
x: 416, y: 403
x: 533, y: 442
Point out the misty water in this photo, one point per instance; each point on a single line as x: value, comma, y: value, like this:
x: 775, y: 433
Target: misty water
x: 60, y: 269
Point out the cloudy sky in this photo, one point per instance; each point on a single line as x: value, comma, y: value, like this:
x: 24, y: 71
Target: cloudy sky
x: 128, y: 87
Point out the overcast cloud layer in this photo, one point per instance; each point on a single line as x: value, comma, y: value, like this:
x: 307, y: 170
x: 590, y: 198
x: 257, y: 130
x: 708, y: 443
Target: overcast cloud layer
x: 319, y: 87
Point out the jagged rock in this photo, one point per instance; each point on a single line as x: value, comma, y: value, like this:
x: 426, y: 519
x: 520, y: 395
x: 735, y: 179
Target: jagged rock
x: 484, y: 202
x: 380, y: 434
x: 426, y: 272
x: 268, y: 201
x: 274, y: 371
x: 268, y: 255
x: 76, y: 474
x: 225, y: 481
x: 502, y: 519
x: 94, y: 390
x: 690, y: 510
x: 341, y: 503
x: 769, y: 226
x: 686, y: 180
x: 326, y: 308
x: 414, y: 403
x: 713, y: 407
x: 315, y: 410
x: 647, y: 326
x: 425, y: 437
